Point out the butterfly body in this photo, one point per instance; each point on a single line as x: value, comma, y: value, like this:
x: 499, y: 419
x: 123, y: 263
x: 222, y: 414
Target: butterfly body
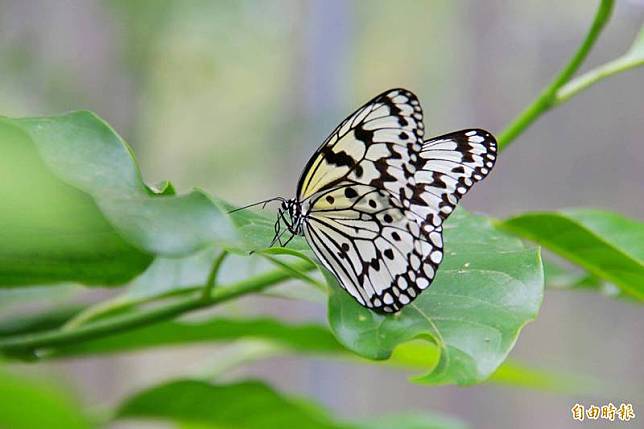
x: 372, y: 200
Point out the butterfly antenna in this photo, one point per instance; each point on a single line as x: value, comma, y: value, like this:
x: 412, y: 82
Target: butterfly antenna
x: 256, y: 204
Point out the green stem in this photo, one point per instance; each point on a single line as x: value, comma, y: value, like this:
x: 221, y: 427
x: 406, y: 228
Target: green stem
x: 212, y: 277
x: 93, y: 312
x: 592, y: 77
x: 294, y: 272
x: 548, y: 97
x: 122, y: 303
x: 29, y: 343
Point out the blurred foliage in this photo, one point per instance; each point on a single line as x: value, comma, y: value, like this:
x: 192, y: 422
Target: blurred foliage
x: 52, y: 231
x: 608, y: 245
x: 76, y: 208
x: 206, y: 405
x: 26, y: 403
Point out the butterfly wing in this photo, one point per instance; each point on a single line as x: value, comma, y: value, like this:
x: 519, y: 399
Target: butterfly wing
x: 375, y: 196
x: 378, y: 250
x: 372, y: 147
x: 448, y: 167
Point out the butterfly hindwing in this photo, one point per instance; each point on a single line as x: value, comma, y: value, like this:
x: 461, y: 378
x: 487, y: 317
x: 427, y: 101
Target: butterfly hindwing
x: 378, y: 251
x: 449, y: 166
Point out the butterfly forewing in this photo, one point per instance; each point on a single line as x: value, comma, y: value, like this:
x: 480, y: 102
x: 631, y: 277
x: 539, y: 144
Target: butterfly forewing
x: 371, y: 146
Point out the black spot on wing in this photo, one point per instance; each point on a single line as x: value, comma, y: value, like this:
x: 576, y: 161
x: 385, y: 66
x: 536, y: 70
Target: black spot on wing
x: 350, y: 192
x: 338, y: 159
x: 363, y: 135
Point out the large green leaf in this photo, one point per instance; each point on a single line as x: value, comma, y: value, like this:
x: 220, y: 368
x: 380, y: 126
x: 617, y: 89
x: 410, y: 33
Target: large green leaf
x: 76, y: 209
x: 607, y: 245
x: 243, y: 405
x: 51, y: 231
x: 29, y: 404
x: 488, y: 287
x: 249, y: 405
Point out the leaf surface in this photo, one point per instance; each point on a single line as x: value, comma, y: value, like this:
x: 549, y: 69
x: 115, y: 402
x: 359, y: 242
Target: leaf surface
x: 607, y: 245
x: 28, y: 404
x: 75, y: 207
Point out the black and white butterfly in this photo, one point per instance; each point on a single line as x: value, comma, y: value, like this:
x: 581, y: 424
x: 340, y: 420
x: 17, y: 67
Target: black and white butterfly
x: 372, y: 200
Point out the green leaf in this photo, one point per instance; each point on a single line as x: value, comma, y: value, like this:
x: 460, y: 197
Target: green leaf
x: 251, y: 405
x: 516, y: 374
x: 76, y: 209
x: 50, y: 231
x: 85, y: 152
x: 30, y: 323
x: 246, y: 405
x: 421, y: 355
x: 488, y: 287
x: 307, y: 338
x: 558, y: 277
x: 29, y: 404
x: 607, y: 245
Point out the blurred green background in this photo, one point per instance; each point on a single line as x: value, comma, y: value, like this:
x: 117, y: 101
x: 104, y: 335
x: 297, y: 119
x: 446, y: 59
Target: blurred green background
x: 234, y: 96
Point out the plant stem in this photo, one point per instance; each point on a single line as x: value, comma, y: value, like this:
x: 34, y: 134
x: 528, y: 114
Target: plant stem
x: 212, y: 277
x: 89, y: 313
x: 29, y: 343
x: 548, y: 97
x: 584, y: 81
x: 295, y: 273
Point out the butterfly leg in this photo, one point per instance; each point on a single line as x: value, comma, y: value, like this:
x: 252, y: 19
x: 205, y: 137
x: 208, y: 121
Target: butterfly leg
x: 287, y: 241
x: 279, y: 239
x: 278, y: 228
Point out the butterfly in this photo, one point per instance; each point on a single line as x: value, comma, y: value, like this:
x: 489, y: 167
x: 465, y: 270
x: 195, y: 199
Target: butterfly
x: 372, y: 199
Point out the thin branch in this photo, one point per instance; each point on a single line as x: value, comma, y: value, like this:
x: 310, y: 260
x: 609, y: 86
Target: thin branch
x: 294, y: 272
x: 212, y: 277
x: 93, y: 312
x: 28, y: 344
x: 547, y: 99
x: 586, y: 80
x: 122, y: 303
